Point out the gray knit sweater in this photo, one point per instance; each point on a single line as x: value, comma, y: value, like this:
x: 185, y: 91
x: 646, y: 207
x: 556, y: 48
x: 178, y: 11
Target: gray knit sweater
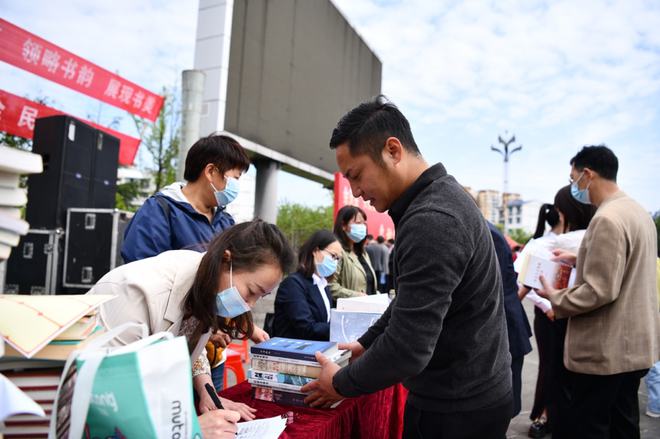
x: 444, y: 336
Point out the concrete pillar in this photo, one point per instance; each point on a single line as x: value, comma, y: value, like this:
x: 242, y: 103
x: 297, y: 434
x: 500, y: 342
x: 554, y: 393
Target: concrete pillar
x: 265, y: 205
x: 192, y: 88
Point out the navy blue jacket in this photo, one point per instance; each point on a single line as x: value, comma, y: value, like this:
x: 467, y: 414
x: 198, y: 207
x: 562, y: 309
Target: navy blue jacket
x: 163, y: 223
x: 299, y: 310
x: 516, y: 319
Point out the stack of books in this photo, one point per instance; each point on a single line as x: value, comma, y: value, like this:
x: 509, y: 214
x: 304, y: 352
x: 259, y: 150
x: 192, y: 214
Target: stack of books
x: 39, y: 333
x: 14, y: 163
x: 281, y: 366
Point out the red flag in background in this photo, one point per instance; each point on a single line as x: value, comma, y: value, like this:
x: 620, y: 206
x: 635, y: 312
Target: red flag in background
x: 378, y: 224
x: 34, y: 54
x: 17, y: 117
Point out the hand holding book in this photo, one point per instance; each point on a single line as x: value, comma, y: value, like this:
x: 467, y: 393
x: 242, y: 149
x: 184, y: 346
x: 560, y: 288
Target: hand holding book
x: 322, y: 392
x: 564, y: 257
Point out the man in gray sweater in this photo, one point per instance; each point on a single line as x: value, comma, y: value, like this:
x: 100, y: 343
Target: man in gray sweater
x: 444, y: 336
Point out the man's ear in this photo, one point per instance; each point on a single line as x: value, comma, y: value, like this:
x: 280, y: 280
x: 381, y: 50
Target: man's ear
x: 393, y: 150
x: 208, y: 171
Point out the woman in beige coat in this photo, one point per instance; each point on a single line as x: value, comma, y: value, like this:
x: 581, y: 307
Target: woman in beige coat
x: 197, y: 294
x: 355, y: 275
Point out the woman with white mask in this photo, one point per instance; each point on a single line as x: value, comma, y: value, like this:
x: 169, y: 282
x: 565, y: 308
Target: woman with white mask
x: 303, y: 300
x: 196, y: 294
x: 355, y: 276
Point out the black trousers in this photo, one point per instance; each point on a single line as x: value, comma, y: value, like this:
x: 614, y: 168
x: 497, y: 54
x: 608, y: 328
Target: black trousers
x: 516, y: 381
x: 550, y: 342
x: 491, y: 422
x: 599, y: 406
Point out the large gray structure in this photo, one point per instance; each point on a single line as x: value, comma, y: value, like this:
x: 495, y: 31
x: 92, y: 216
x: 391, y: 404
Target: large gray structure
x: 278, y: 75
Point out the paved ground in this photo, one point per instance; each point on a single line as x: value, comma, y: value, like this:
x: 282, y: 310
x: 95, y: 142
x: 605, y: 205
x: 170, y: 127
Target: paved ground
x: 650, y: 427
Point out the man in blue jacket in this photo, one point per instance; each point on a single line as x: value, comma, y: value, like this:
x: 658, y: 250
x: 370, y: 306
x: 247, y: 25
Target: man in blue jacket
x: 517, y: 324
x: 187, y: 216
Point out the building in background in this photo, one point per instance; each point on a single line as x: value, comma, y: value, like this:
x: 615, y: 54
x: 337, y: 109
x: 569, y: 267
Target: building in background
x: 490, y: 204
x: 522, y: 214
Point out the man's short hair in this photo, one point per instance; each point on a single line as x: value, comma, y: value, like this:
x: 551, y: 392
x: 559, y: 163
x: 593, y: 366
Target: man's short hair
x: 598, y: 158
x: 366, y: 128
x: 380, y: 239
x: 223, y: 151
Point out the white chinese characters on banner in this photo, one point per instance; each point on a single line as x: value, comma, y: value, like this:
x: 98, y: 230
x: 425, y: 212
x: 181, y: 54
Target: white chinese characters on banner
x: 28, y: 116
x: 69, y: 68
x: 125, y: 93
x: 138, y: 98
x: 31, y: 51
x: 112, y: 89
x: 2, y: 107
x: 51, y: 60
x: 85, y: 76
x: 149, y: 104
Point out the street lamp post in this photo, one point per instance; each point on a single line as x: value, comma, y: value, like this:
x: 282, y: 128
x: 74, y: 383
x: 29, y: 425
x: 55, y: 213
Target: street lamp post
x: 506, y: 154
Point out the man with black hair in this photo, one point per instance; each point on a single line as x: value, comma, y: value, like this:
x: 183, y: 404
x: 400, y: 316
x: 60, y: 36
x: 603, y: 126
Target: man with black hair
x: 444, y: 335
x: 188, y: 215
x: 613, y: 328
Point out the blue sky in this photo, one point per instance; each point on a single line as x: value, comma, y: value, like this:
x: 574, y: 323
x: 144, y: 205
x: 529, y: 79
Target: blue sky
x: 557, y: 74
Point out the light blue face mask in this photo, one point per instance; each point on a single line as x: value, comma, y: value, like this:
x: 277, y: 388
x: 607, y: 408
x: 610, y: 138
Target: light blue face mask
x: 580, y: 195
x: 228, y: 194
x: 229, y: 303
x: 326, y: 267
x: 357, y: 232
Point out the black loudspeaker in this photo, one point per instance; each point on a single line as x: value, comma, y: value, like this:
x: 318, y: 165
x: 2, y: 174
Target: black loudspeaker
x: 35, y: 265
x: 80, y: 170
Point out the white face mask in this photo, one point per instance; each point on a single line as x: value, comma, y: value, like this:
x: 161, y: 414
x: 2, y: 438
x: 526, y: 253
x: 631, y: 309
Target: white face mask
x: 229, y: 302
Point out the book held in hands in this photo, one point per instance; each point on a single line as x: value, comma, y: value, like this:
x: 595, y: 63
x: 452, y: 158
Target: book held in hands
x: 280, y: 367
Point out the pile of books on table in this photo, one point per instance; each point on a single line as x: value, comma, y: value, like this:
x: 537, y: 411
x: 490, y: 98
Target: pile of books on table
x: 14, y: 163
x: 281, y: 366
x: 38, y: 333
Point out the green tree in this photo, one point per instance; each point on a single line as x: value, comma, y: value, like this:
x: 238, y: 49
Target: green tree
x: 161, y: 139
x: 298, y: 222
x: 520, y: 236
x: 126, y: 193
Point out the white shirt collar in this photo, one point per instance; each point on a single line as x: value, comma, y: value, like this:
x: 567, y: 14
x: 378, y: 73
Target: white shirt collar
x: 320, y: 281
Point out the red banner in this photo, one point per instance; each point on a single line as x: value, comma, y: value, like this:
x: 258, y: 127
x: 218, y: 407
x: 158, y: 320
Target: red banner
x: 17, y: 117
x: 29, y: 52
x: 378, y: 224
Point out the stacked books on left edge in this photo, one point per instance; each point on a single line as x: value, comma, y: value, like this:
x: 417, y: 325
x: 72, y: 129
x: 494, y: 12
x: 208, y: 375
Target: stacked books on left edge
x: 39, y: 333
x: 281, y: 366
x: 14, y: 163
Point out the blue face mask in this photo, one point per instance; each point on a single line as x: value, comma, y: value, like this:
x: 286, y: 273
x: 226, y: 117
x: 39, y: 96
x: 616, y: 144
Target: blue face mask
x: 326, y: 267
x: 228, y: 194
x: 580, y: 195
x: 229, y: 303
x: 357, y: 232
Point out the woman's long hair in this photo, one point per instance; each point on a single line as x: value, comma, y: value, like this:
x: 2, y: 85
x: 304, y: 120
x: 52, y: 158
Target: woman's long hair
x: 577, y: 216
x: 344, y: 216
x: 251, y: 244
x: 547, y: 214
x: 319, y: 240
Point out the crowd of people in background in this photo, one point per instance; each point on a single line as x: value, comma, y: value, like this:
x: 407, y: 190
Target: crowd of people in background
x: 455, y: 333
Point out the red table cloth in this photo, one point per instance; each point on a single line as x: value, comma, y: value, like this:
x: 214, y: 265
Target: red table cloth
x: 375, y: 416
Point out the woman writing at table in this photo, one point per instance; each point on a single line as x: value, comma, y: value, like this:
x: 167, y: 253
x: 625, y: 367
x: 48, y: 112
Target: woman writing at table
x: 196, y: 294
x: 302, y: 304
x: 354, y: 276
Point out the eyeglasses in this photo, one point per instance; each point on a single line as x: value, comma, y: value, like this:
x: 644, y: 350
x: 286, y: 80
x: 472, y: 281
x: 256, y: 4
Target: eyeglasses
x: 332, y: 255
x: 571, y: 181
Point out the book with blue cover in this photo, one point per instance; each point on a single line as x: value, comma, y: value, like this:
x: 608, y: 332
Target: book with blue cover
x: 293, y: 348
